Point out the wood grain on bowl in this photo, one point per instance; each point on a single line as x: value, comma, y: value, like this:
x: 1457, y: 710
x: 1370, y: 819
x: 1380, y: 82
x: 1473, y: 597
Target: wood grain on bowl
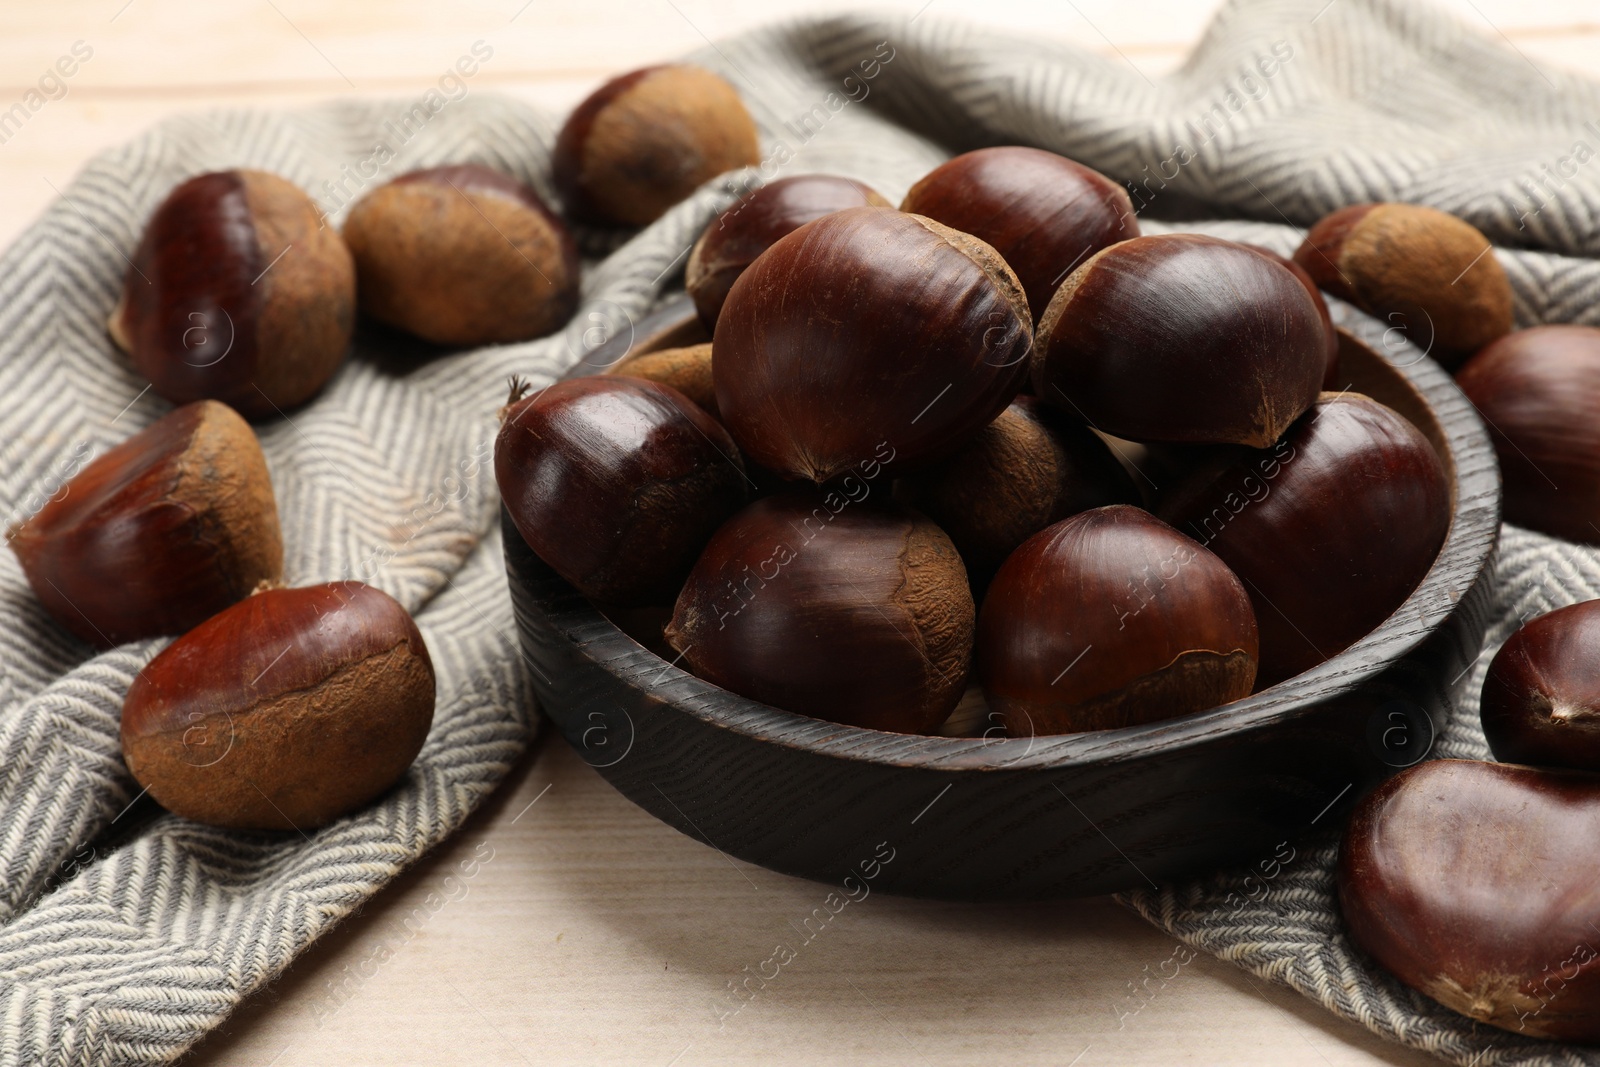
x: 1015, y: 817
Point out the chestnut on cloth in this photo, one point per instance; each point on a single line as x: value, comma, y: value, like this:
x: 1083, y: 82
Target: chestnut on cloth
x: 127, y: 933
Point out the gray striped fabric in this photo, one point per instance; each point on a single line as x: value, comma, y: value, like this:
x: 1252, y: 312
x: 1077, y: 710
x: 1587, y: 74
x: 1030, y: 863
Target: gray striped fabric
x: 125, y: 934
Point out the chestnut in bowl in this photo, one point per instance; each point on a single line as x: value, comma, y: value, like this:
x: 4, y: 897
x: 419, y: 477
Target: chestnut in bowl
x: 1027, y: 817
x: 754, y: 223
x: 868, y: 333
x: 1042, y: 212
x: 1181, y: 338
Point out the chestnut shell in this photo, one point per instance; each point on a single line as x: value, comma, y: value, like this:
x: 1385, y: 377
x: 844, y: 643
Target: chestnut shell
x: 1043, y: 213
x: 284, y: 712
x: 645, y: 140
x: 159, y: 533
x: 617, y: 483
x: 1424, y: 272
x: 1112, y: 618
x: 1541, y: 696
x: 1330, y: 529
x: 868, y: 326
x: 1474, y: 884
x: 754, y: 223
x: 238, y: 291
x: 1538, y: 391
x: 463, y: 255
x: 1182, y: 338
x: 1330, y: 376
x: 1031, y: 467
x: 848, y: 610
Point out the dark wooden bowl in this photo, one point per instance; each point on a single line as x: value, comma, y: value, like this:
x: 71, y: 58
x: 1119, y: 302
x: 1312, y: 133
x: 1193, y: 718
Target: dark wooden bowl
x: 1072, y: 815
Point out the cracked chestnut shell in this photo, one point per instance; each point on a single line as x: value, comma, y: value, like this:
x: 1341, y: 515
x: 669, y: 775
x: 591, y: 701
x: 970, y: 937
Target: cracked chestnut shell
x: 237, y: 292
x: 616, y: 483
x: 1029, y: 468
x: 1473, y: 883
x: 1541, y: 696
x: 285, y: 711
x: 849, y: 610
x: 751, y: 226
x: 1112, y: 618
x: 464, y: 256
x: 1539, y: 393
x: 647, y: 139
x: 1330, y: 529
x: 158, y: 534
x: 1424, y: 272
x: 868, y: 326
x: 1181, y: 338
x: 1042, y: 212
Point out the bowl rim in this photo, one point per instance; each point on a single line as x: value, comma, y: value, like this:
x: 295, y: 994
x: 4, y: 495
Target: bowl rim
x: 1460, y: 565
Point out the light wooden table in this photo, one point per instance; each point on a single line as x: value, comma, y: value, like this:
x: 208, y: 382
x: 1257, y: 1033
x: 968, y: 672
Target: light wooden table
x: 588, y: 932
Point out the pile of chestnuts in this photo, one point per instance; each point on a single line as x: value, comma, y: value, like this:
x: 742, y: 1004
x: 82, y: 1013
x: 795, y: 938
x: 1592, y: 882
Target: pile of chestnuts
x: 285, y: 708
x: 915, y: 458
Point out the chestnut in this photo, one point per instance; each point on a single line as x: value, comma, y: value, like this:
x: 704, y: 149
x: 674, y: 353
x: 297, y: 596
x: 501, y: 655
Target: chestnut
x: 1029, y: 468
x: 1181, y: 338
x: 1331, y: 528
x: 616, y: 483
x: 754, y: 223
x: 1425, y: 272
x: 1538, y: 391
x: 868, y: 329
x: 647, y: 139
x: 688, y: 370
x: 464, y: 256
x: 284, y: 712
x: 850, y: 610
x: 237, y: 292
x: 1473, y: 883
x: 1112, y: 618
x: 158, y: 534
x: 1043, y: 213
x: 1541, y: 696
x: 1330, y: 375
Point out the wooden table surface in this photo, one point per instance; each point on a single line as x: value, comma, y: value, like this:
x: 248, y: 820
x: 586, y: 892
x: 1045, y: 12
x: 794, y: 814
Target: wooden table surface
x: 588, y: 932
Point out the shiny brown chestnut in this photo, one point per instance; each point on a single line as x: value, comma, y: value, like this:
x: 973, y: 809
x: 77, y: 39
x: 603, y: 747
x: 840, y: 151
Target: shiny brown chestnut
x: 158, y: 534
x: 1112, y: 618
x: 647, y: 139
x: 1541, y: 696
x: 1474, y: 884
x: 238, y: 292
x: 687, y: 369
x: 1181, y: 338
x: 868, y: 327
x: 1330, y: 375
x: 1539, y: 393
x: 462, y: 255
x: 1043, y: 213
x: 1424, y: 272
x: 839, y: 607
x: 1331, y: 528
x: 617, y: 483
x: 285, y: 711
x: 754, y: 223
x: 1029, y: 468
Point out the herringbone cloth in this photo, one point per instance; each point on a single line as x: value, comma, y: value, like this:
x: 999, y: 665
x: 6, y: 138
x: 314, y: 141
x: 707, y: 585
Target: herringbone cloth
x: 126, y: 934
